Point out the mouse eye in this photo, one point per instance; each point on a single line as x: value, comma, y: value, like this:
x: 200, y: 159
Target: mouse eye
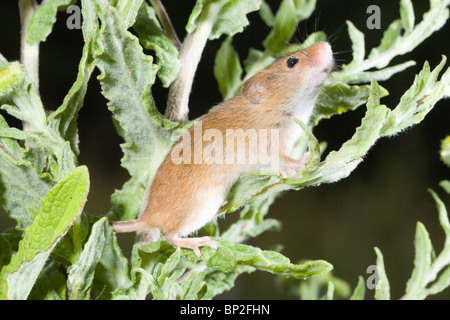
x: 291, y: 62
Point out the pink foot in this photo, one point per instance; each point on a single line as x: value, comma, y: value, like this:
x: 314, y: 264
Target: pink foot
x: 291, y: 167
x: 191, y: 243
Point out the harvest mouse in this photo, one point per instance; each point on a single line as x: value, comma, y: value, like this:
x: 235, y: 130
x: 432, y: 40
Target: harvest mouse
x: 193, y: 181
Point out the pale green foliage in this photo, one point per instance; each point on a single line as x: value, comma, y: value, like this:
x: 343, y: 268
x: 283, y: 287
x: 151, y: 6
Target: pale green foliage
x: 44, y: 191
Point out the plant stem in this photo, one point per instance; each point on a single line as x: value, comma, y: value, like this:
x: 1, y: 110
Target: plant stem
x: 165, y: 20
x: 29, y: 53
x: 190, y: 55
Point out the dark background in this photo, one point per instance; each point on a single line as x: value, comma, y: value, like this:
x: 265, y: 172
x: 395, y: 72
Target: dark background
x: 378, y: 205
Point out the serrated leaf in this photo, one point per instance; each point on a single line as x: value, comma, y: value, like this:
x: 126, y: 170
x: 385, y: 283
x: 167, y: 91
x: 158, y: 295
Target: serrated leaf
x: 129, y: 9
x: 339, y: 164
x: 390, y: 37
x: 153, y: 37
x: 21, y: 189
x: 42, y: 21
x: 232, y: 18
x: 338, y: 97
x: 418, y: 100
x: 126, y: 77
x: 228, y: 70
x: 59, y: 208
x: 382, y: 290
x: 64, y: 118
x: 226, y: 17
x: 229, y: 255
x: 367, y: 76
x: 358, y: 46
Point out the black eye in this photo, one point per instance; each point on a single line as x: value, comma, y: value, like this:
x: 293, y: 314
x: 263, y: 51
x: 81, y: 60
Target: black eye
x: 291, y: 62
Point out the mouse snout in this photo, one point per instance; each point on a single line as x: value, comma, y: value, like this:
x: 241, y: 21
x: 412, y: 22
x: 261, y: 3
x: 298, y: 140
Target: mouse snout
x: 322, y: 56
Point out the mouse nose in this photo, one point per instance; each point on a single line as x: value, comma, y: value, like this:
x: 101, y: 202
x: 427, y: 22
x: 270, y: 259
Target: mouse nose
x: 322, y: 55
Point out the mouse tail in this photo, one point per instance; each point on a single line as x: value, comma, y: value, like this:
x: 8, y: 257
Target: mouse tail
x: 128, y: 226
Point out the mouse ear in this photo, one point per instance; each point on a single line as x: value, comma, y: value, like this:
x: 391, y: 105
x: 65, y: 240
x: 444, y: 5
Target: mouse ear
x: 254, y: 89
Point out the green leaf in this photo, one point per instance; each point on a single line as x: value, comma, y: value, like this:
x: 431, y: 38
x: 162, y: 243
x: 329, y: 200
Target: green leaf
x: 81, y: 274
x: 227, y: 17
x: 445, y: 150
x: 367, y: 76
x: 129, y: 9
x: 338, y: 97
x: 153, y: 37
x: 443, y: 216
x: 112, y: 271
x: 289, y: 14
x: 391, y: 36
x: 19, y: 99
x: 26, y: 105
x: 247, y: 188
x: 407, y: 15
x: 418, y: 100
x: 229, y: 255
x: 422, y: 262
x: 22, y: 187
x: 339, y: 164
x: 358, y: 46
x: 42, y: 21
x: 360, y: 290
x: 126, y: 77
x: 228, y: 70
x: 63, y: 119
x: 382, y: 290
x: 395, y: 43
x: 232, y: 17
x: 60, y: 207
x: 266, y: 14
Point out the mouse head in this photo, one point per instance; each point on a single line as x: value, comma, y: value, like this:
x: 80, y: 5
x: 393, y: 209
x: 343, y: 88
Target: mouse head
x: 298, y: 75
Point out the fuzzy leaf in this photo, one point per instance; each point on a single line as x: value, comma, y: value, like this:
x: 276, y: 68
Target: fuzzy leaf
x: 228, y: 70
x: 60, y: 207
x: 153, y: 37
x: 229, y: 255
x: 129, y: 9
x: 358, y: 46
x: 233, y: 17
x: 407, y: 15
x: 43, y: 18
x: 418, y: 100
x: 382, y: 290
x: 227, y: 17
x: 360, y: 290
x: 126, y: 77
x: 81, y: 273
x: 422, y: 262
x: 21, y: 186
x: 338, y: 97
x: 64, y: 118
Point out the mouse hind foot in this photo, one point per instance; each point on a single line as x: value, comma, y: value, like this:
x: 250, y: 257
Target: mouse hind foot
x: 191, y: 243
